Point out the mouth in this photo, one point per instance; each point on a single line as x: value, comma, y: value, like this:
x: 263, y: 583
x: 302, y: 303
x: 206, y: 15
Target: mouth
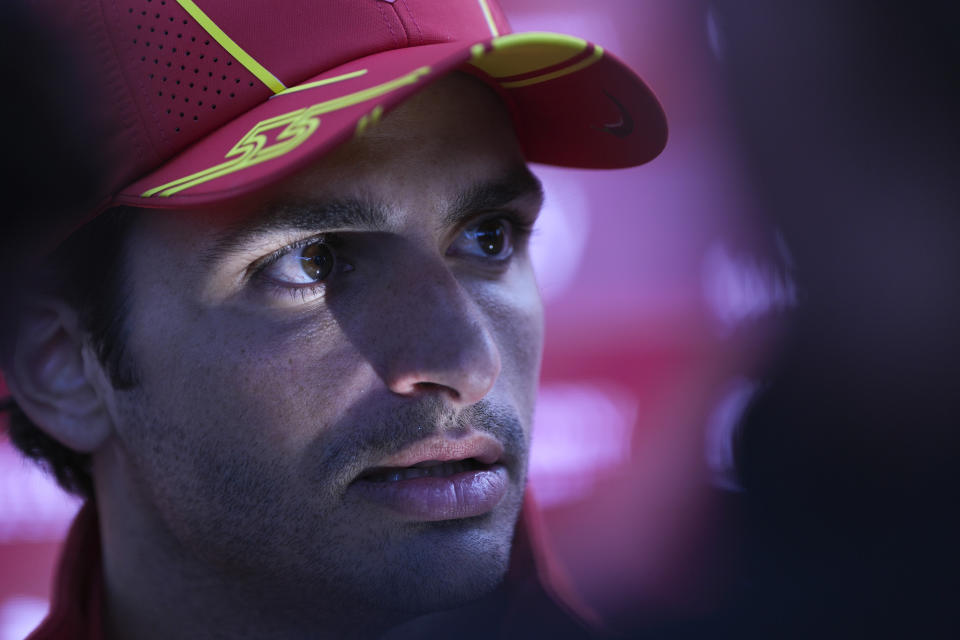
x: 438, y: 479
x: 425, y: 469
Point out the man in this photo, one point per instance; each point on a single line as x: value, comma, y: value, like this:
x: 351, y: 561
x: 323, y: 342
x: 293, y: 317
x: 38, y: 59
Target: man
x: 300, y: 399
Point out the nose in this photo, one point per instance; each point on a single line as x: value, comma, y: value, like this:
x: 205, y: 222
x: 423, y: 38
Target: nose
x: 440, y: 342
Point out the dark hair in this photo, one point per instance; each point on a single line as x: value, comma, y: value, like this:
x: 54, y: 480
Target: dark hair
x: 87, y: 273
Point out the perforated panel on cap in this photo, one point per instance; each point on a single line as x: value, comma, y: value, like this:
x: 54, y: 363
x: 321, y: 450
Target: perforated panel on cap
x: 186, y: 84
x: 172, y: 72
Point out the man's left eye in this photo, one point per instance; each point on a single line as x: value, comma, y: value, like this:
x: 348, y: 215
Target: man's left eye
x: 488, y: 239
x: 309, y: 264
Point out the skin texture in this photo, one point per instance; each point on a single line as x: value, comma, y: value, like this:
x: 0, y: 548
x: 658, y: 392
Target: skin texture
x: 223, y: 488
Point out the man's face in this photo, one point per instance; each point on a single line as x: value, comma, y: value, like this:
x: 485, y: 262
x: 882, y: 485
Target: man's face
x: 295, y: 352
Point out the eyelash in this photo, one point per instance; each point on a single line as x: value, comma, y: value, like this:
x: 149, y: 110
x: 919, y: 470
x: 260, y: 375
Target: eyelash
x: 520, y: 226
x: 521, y: 229
x: 256, y: 271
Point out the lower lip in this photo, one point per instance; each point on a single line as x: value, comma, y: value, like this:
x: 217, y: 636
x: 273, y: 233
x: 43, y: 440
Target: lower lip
x: 428, y: 499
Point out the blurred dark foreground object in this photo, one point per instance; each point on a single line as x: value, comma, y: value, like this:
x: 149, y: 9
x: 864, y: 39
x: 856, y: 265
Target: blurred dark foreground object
x: 52, y: 135
x: 848, y: 115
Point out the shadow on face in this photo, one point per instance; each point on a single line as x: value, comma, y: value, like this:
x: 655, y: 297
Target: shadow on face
x: 383, y: 295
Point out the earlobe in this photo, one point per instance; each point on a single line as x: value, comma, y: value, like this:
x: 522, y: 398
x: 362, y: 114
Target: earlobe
x: 51, y: 376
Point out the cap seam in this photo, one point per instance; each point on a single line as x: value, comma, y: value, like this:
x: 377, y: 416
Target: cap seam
x: 415, y: 23
x: 403, y: 26
x: 393, y: 33
x: 111, y: 38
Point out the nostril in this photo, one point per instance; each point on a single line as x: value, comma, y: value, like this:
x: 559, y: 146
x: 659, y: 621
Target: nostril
x: 433, y: 387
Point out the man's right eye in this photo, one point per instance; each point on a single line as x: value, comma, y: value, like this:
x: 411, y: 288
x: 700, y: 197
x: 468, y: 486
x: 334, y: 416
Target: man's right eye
x: 307, y: 264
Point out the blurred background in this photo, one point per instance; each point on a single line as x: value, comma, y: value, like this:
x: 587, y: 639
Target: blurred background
x: 750, y: 401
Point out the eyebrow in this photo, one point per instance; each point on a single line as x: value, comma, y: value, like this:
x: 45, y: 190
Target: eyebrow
x: 295, y: 215
x: 358, y: 214
x: 495, y: 194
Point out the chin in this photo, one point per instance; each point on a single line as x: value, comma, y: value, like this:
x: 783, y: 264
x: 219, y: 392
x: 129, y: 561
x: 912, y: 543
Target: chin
x: 451, y: 564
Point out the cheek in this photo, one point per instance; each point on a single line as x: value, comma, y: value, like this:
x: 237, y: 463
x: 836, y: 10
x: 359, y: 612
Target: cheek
x: 515, y: 317
x: 231, y: 418
x: 249, y: 381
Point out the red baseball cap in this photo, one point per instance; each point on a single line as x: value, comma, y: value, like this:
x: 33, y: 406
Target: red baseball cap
x: 209, y: 100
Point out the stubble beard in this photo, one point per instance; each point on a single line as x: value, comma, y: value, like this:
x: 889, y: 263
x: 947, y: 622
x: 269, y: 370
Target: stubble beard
x: 285, y: 538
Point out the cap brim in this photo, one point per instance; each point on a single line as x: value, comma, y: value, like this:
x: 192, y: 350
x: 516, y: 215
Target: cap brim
x: 572, y: 104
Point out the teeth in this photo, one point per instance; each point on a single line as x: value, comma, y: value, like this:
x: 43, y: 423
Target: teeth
x: 439, y: 470
x: 410, y: 474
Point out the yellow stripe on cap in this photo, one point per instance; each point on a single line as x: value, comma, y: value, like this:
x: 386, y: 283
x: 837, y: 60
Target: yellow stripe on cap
x: 232, y: 47
x: 559, y: 73
x: 488, y: 16
x: 365, y: 122
x: 533, y: 55
x: 292, y: 129
x: 322, y: 83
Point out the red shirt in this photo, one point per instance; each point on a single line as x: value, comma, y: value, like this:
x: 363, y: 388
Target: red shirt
x: 75, y: 611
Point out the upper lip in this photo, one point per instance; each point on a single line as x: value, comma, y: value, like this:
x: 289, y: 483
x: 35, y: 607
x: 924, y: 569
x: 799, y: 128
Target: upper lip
x: 482, y: 447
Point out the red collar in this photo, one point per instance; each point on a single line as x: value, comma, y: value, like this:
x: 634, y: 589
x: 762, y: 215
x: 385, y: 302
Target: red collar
x: 75, y: 612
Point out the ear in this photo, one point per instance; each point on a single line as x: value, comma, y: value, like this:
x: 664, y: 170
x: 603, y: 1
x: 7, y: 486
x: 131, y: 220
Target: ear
x: 56, y: 379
